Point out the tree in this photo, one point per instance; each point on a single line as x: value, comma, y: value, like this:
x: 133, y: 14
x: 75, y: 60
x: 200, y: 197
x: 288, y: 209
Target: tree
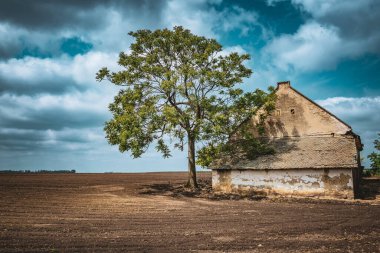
x: 375, y: 157
x: 178, y: 87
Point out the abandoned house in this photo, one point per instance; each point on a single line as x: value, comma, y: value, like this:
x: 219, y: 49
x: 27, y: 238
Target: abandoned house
x: 315, y: 153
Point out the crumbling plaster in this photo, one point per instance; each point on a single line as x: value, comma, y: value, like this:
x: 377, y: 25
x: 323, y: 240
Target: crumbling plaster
x: 306, y: 182
x: 296, y: 115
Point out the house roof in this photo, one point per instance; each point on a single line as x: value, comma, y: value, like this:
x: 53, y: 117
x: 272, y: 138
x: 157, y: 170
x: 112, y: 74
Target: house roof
x: 313, y: 152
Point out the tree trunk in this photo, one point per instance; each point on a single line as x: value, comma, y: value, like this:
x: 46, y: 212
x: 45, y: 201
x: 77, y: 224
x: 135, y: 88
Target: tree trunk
x: 192, y: 175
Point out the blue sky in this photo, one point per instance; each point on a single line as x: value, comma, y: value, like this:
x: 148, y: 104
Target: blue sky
x: 52, y: 110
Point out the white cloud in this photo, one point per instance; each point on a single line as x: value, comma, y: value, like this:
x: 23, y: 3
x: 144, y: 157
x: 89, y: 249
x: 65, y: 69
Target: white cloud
x: 362, y: 111
x: 237, y: 17
x: 338, y: 30
x: 113, y: 37
x: 202, y: 18
x: 312, y: 47
x: 32, y: 75
x: 233, y: 49
x: 323, y: 7
x: 83, y: 67
x: 84, y: 107
x: 31, y: 68
x: 191, y: 15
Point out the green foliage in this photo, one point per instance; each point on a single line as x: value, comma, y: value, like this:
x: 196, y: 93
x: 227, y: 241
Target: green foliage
x: 375, y: 157
x: 243, y: 144
x: 245, y: 147
x: 178, y: 85
x: 371, y: 172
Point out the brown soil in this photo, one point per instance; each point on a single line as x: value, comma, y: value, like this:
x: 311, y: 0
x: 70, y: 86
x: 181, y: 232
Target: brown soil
x: 153, y: 213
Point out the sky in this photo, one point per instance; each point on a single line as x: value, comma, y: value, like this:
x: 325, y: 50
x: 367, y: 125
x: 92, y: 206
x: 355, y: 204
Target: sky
x: 52, y: 110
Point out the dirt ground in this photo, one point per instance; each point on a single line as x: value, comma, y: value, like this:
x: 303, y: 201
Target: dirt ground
x: 152, y: 213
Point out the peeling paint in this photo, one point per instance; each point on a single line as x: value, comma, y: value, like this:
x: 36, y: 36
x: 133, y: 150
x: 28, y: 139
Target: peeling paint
x: 340, y: 181
x: 333, y: 182
x: 221, y: 180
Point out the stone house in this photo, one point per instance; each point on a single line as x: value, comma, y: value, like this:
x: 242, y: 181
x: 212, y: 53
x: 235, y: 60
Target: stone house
x: 315, y: 153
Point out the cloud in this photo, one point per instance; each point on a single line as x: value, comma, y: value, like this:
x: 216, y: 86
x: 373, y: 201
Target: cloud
x: 361, y: 113
x: 72, y: 15
x: 53, y: 112
x: 53, y: 105
x: 203, y: 18
x: 49, y: 140
x: 358, y: 110
x: 338, y: 30
x: 27, y: 27
x: 43, y: 14
x: 314, y: 47
x: 31, y: 75
x: 356, y: 20
x: 34, y: 28
x: 308, y: 49
x: 233, y: 49
x: 323, y: 8
x: 18, y: 42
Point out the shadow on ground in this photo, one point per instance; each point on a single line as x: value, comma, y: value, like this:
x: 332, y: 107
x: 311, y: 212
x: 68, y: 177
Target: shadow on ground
x: 370, y: 188
x: 178, y: 190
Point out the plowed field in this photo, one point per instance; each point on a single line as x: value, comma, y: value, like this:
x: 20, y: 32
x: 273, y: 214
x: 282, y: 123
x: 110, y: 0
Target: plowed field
x: 151, y: 213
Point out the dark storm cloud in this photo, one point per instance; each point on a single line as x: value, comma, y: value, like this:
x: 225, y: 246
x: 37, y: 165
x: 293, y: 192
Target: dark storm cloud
x: 73, y: 137
x: 361, y: 24
x: 55, y: 119
x: 38, y: 28
x: 32, y: 140
x: 53, y: 15
x: 18, y: 43
x: 34, y: 87
x: 20, y: 141
x: 47, y: 14
x: 356, y: 20
x: 9, y: 50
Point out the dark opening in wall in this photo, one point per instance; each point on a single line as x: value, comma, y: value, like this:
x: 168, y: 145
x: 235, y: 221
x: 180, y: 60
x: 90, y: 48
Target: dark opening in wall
x: 292, y: 111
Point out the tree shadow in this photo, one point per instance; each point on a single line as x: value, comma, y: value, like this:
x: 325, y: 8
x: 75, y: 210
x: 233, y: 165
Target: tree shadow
x: 290, y: 122
x: 370, y: 188
x: 205, y: 191
x: 176, y: 189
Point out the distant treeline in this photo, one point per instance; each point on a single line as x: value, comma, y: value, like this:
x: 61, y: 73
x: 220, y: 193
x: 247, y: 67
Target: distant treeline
x: 38, y: 171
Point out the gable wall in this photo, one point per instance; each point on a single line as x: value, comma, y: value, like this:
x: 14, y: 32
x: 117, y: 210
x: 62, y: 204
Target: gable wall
x: 308, y: 118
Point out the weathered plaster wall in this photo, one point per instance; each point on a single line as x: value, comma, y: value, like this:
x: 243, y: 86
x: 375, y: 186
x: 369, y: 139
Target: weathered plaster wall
x: 309, y: 182
x: 295, y: 115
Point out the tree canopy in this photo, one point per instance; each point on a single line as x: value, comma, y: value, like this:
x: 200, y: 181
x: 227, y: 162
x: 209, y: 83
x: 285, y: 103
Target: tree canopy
x: 178, y: 88
x: 375, y: 157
